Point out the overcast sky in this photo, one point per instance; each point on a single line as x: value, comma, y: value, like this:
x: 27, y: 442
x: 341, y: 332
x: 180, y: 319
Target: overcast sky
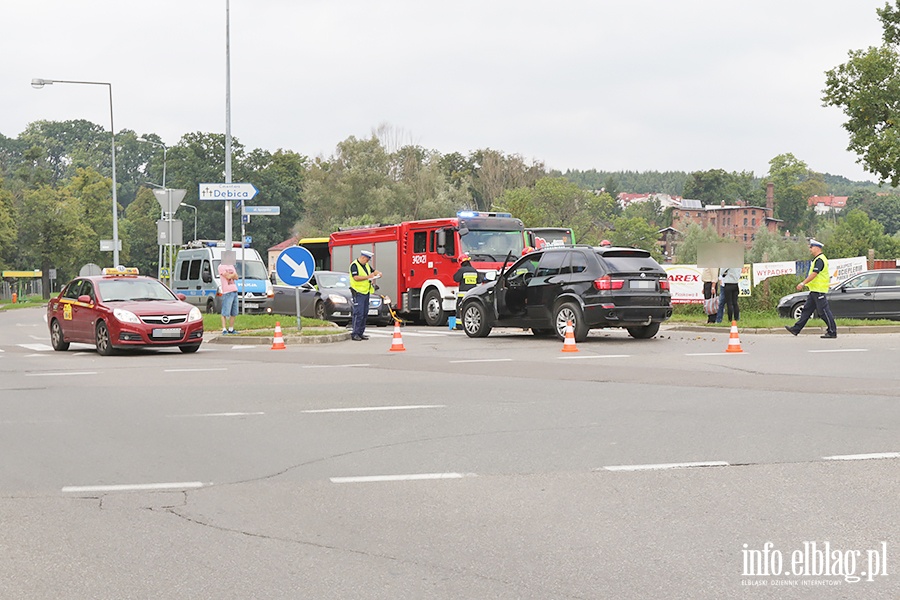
x: 605, y: 84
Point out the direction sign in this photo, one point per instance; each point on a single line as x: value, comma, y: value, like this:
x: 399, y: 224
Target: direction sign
x: 295, y: 265
x: 262, y: 210
x: 227, y: 191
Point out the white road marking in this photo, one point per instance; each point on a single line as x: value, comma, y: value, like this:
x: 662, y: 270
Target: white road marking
x: 243, y: 347
x: 335, y: 366
x: 863, y: 456
x: 415, y: 477
x: 481, y: 360
x: 36, y: 347
x: 373, y: 408
x: 659, y: 467
x: 841, y: 350
x: 136, y: 487
x: 723, y: 353
x: 194, y: 370
x: 594, y: 356
x: 60, y: 374
x: 229, y: 414
x: 2, y: 350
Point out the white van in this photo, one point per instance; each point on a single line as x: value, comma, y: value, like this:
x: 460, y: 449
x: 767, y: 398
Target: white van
x: 196, y: 275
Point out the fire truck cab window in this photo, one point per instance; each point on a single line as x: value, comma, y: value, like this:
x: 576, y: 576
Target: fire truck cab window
x: 420, y: 241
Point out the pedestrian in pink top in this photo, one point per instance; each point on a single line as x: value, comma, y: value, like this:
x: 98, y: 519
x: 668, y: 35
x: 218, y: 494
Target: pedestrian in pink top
x: 228, y: 276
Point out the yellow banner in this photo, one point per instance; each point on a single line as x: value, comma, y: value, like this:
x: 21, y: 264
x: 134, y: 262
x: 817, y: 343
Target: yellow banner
x: 35, y: 273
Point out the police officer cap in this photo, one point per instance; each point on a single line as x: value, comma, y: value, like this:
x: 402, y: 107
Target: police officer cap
x: 366, y: 253
x: 815, y: 243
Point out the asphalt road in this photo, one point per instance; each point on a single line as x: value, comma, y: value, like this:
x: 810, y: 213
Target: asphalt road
x: 460, y: 468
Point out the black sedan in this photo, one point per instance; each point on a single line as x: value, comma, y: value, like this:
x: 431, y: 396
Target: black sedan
x: 335, y: 289
x: 869, y: 295
x: 312, y: 304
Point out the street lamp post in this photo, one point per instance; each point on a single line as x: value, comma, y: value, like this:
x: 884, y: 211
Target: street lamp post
x: 38, y: 84
x: 195, y: 217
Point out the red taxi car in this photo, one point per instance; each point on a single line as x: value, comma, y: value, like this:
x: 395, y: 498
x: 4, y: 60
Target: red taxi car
x: 121, y: 309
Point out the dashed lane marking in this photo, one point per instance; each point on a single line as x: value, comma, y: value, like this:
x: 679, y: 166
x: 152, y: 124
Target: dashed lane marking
x: 37, y: 347
x: 840, y: 350
x: 873, y: 456
x: 60, y: 374
x: 136, y: 487
x: 194, y: 370
x: 660, y: 467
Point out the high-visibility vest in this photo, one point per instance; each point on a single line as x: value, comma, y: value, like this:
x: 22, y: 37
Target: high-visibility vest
x: 365, y: 286
x: 822, y: 278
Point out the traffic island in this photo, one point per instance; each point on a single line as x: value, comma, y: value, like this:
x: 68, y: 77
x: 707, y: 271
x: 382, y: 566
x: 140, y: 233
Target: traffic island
x: 308, y: 335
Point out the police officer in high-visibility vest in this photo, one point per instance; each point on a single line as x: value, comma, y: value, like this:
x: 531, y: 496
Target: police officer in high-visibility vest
x: 467, y: 277
x: 817, y: 281
x: 361, y: 276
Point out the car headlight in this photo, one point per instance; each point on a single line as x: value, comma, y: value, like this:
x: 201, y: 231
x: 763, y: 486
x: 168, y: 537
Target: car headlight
x: 337, y: 298
x: 195, y: 315
x: 126, y: 316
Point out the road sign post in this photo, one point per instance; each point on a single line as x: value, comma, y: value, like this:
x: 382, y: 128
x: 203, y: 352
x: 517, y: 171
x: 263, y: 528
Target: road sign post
x: 295, y: 266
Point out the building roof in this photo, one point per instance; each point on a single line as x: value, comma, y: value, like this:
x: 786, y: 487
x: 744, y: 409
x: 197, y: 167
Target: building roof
x: 292, y: 241
x: 830, y: 201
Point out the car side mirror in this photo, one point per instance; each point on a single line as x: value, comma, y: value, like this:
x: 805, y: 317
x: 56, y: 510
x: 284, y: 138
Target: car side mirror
x: 181, y: 297
x: 490, y: 276
x: 84, y: 299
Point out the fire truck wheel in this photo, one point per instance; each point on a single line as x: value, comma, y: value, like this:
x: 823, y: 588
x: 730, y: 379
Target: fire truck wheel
x: 475, y: 320
x: 434, y: 314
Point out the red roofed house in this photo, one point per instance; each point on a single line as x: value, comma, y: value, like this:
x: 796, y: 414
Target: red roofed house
x: 824, y: 204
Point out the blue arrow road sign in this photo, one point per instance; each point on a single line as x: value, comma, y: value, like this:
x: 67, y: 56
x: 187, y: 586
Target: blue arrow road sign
x: 295, y: 265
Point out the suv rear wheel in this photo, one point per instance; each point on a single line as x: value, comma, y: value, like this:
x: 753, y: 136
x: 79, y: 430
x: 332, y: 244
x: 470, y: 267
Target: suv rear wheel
x: 475, y: 320
x: 569, y: 311
x: 644, y: 333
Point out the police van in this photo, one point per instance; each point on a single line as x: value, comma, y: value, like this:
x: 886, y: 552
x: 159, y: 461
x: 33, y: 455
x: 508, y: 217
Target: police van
x: 196, y: 275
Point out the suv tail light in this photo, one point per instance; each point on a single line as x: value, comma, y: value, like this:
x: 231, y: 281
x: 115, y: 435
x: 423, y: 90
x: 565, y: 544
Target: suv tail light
x: 664, y: 284
x: 607, y: 283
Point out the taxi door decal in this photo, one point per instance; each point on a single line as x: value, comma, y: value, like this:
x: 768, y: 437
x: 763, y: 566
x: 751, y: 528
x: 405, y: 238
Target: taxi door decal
x: 67, y: 311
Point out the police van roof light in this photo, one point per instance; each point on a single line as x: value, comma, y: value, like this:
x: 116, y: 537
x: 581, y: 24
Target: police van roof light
x: 479, y: 213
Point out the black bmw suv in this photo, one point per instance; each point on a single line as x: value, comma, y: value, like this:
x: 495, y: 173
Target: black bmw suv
x: 591, y: 287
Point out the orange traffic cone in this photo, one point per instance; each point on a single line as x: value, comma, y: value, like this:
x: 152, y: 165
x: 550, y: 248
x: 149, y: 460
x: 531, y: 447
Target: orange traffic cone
x: 734, y: 344
x: 278, y: 340
x: 569, y: 343
x: 397, y: 342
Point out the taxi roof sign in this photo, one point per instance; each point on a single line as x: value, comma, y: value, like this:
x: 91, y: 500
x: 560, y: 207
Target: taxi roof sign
x: 120, y: 270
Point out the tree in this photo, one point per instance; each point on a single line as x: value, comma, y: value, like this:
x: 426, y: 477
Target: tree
x: 794, y: 184
x: 93, y: 194
x: 636, y: 233
x: 867, y: 89
x: 855, y: 234
x: 7, y: 227
x: 49, y: 228
x: 694, y: 237
x: 139, y: 228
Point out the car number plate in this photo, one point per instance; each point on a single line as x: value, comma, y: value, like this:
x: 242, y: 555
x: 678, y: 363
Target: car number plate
x: 251, y: 305
x: 373, y: 313
x: 643, y: 284
x: 170, y: 332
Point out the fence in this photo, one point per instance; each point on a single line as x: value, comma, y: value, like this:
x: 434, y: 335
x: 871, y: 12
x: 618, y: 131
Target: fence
x: 24, y: 287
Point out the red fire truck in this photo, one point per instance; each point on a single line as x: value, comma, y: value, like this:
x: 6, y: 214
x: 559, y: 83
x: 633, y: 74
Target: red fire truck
x: 417, y: 259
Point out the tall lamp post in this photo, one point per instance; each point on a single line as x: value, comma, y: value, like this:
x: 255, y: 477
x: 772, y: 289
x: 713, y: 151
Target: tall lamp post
x: 195, y: 217
x: 38, y: 84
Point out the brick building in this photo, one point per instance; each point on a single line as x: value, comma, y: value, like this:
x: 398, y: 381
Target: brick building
x: 739, y: 221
